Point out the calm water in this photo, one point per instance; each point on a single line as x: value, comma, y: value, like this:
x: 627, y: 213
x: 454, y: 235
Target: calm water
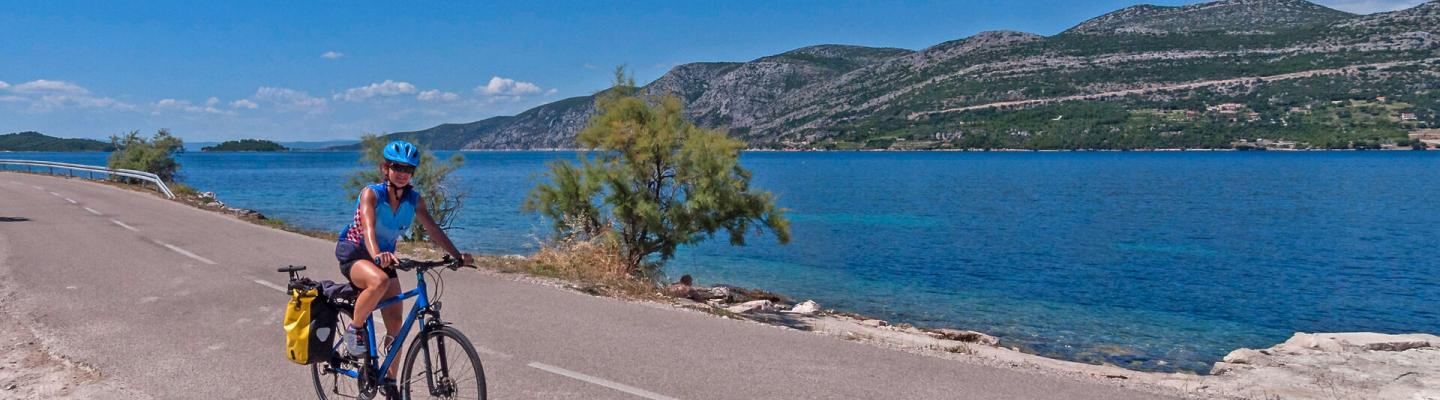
x: 1149, y: 260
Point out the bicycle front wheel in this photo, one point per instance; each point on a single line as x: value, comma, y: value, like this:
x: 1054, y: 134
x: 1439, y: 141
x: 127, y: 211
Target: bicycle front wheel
x: 442, y: 364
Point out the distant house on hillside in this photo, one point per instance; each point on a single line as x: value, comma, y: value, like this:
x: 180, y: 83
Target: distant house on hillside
x: 948, y: 136
x: 1381, y: 99
x: 1408, y: 117
x: 1227, y: 108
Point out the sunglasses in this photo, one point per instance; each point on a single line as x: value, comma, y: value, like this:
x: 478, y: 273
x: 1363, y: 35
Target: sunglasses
x: 409, y: 169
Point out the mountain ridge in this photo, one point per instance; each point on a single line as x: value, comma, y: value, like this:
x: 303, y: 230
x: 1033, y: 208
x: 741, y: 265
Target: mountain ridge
x: 824, y: 96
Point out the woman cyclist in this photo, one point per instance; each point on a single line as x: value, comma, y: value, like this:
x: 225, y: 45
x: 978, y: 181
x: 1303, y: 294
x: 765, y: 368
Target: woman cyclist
x: 366, y: 248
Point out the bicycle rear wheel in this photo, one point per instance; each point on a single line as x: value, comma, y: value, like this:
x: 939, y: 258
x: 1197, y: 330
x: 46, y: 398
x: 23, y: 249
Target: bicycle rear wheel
x: 333, y: 385
x: 442, y: 364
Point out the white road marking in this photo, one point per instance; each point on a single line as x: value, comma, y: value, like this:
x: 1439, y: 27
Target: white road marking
x: 70, y: 200
x: 599, y: 381
x: 56, y: 194
x: 17, y: 183
x: 183, y: 252
x: 490, y: 352
x: 37, y: 187
x: 266, y: 283
x: 92, y: 211
x: 122, y: 225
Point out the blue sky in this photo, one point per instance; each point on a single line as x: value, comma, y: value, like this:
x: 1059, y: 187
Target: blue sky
x: 288, y: 70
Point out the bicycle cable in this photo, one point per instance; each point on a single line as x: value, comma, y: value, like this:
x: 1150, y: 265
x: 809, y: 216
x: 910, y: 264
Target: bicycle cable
x: 439, y: 284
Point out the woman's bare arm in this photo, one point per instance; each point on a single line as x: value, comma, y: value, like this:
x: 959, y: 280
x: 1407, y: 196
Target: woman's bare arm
x: 437, y: 235
x: 367, y: 222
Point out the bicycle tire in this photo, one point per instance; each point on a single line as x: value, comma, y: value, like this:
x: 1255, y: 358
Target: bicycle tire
x: 448, y: 385
x: 339, y: 386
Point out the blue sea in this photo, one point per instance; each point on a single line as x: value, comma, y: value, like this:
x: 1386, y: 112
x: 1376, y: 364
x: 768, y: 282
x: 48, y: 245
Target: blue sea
x: 1154, y: 261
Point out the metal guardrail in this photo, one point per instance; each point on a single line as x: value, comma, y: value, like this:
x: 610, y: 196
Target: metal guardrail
x: 92, y: 170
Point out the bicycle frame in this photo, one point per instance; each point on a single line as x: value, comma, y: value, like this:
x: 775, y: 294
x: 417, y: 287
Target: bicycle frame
x: 422, y: 302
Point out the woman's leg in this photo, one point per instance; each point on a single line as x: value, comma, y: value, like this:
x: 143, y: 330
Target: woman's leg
x: 392, y: 315
x: 372, y: 284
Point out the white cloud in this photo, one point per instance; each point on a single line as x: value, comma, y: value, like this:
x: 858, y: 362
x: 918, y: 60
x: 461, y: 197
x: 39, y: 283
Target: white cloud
x: 46, y: 95
x: 436, y: 94
x: 551, y: 92
x: 4, y: 85
x: 53, y: 101
x: 290, y: 99
x: 386, y: 88
x: 243, y: 103
x: 332, y: 55
x: 184, y: 105
x: 47, y: 86
x: 507, y: 87
x: 1369, y: 6
x: 590, y: 66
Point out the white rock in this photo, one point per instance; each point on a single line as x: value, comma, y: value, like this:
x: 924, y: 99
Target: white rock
x: 1358, y: 365
x: 749, y: 306
x: 1357, y: 341
x: 720, y: 292
x: 807, y: 307
x: 1243, y: 356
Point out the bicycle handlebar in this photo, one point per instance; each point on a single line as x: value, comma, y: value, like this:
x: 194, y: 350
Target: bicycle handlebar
x: 406, y: 264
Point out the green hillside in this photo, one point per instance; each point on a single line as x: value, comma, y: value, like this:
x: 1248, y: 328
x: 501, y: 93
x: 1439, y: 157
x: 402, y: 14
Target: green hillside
x: 35, y: 141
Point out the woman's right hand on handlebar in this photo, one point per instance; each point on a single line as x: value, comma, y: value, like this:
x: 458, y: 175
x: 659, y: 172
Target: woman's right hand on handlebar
x: 387, y: 260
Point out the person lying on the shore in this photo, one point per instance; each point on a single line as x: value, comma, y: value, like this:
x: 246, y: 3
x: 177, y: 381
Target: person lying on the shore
x: 683, y: 289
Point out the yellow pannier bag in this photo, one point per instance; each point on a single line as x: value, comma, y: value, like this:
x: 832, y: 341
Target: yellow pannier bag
x: 309, y: 326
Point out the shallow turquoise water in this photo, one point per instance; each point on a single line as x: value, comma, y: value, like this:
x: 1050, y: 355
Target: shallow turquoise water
x: 1150, y: 260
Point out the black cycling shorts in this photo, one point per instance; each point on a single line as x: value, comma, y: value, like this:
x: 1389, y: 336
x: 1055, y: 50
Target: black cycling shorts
x: 349, y: 252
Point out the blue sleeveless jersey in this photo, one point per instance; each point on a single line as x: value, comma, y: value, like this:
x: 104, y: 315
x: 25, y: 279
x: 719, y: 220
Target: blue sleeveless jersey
x: 388, y: 225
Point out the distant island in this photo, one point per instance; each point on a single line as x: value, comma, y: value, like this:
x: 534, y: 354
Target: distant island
x: 1229, y: 74
x: 35, y: 141
x: 246, y: 145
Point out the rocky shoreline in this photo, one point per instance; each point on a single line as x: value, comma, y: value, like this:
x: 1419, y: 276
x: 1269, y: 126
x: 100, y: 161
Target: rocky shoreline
x: 1357, y: 365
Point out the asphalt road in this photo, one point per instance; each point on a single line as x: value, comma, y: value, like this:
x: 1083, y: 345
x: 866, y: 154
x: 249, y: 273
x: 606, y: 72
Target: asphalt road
x: 176, y: 302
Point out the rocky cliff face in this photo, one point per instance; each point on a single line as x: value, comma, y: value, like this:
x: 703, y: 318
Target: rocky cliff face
x: 832, y: 92
x: 1238, y: 16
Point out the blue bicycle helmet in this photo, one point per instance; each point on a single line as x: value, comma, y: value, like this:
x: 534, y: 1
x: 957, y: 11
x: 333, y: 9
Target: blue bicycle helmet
x: 403, y: 152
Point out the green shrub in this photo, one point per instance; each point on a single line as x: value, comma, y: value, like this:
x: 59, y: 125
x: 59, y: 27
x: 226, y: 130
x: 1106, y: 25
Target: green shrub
x: 653, y: 182
x: 155, y: 155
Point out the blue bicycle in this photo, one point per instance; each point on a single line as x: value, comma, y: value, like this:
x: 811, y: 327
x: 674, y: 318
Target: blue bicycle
x: 440, y: 363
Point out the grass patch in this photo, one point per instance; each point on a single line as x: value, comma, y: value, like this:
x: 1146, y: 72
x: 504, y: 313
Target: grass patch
x: 956, y: 349
x: 593, y: 266
x: 180, y: 189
